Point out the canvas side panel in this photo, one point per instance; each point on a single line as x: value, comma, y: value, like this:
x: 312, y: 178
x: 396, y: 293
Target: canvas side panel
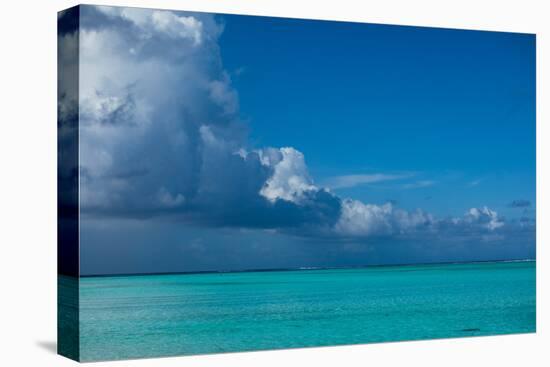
x: 67, y: 183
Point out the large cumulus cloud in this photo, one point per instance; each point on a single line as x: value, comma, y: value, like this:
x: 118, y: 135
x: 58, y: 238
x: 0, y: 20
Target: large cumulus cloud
x: 161, y: 137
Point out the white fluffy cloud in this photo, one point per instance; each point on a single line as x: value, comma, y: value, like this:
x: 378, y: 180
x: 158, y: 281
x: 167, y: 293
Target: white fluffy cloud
x: 485, y: 217
x: 290, y: 180
x: 359, y: 219
x: 161, y: 21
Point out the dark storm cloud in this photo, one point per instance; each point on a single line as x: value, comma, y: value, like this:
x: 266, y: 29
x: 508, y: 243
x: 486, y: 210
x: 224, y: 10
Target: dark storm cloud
x: 161, y: 136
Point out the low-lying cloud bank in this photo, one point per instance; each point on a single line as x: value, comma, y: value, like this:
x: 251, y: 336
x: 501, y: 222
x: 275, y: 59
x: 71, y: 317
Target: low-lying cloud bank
x: 161, y: 136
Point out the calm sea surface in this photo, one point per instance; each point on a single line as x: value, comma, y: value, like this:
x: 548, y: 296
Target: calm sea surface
x: 166, y: 315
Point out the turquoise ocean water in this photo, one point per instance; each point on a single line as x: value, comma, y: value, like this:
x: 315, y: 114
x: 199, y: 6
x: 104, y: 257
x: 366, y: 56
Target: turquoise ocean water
x: 164, y: 315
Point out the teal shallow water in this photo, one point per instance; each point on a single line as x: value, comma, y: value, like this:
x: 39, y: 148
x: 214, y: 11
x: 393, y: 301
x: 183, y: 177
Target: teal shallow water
x: 166, y: 315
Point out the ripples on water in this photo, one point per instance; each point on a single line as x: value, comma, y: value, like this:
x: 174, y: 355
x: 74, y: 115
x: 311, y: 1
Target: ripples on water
x: 162, y: 315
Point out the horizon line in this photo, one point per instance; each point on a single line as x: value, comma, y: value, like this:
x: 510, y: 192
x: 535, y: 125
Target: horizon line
x: 301, y: 268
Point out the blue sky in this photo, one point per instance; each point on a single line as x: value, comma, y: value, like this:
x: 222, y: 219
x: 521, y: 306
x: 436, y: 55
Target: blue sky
x: 221, y: 142
x: 457, y: 108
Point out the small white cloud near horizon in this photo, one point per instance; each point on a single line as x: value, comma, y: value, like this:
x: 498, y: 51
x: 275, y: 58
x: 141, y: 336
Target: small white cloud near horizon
x: 360, y: 219
x: 484, y: 216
